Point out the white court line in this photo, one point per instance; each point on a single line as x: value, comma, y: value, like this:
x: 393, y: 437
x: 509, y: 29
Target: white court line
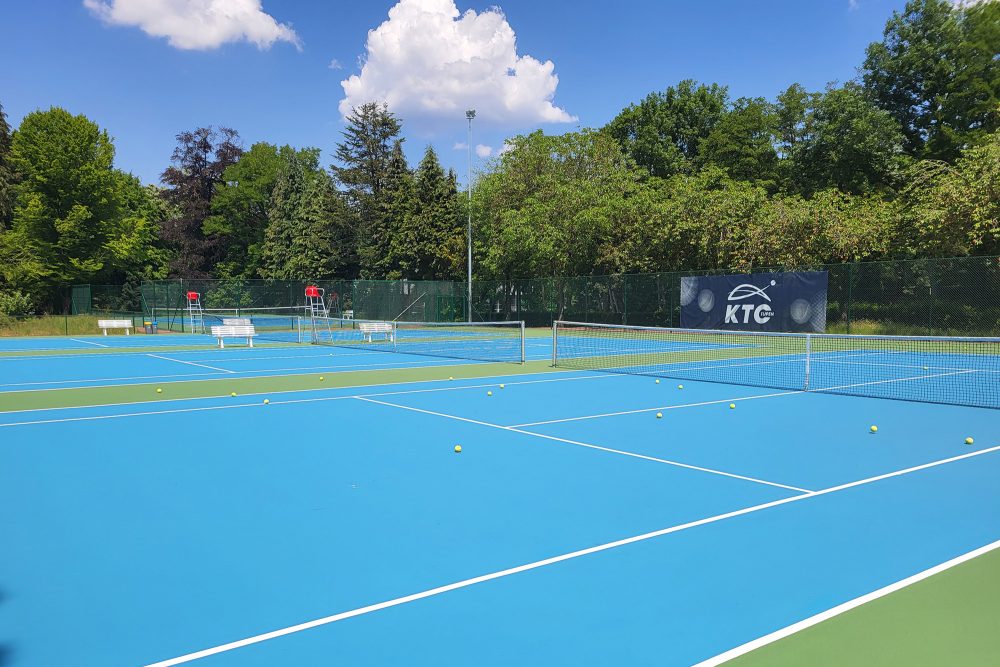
x: 88, y: 342
x: 577, y: 443
x: 465, y: 583
x: 664, y: 407
x: 191, y: 363
x: 841, y: 608
x: 261, y: 373
x: 745, y: 398
x: 286, y: 402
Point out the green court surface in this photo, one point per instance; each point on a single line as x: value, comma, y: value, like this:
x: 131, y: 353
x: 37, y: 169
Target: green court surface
x: 952, y: 618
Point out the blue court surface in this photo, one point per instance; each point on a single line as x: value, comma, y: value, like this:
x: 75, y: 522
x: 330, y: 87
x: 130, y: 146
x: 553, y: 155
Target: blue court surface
x: 576, y: 527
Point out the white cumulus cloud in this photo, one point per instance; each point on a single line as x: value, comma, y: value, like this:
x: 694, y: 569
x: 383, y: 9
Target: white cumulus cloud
x: 335, y: 64
x: 483, y: 150
x: 197, y: 24
x: 429, y: 62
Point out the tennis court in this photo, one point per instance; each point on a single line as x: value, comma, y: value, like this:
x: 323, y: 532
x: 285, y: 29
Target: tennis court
x: 653, y: 498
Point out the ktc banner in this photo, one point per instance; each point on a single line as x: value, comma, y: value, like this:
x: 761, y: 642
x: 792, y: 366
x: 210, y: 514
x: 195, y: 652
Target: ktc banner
x: 756, y: 302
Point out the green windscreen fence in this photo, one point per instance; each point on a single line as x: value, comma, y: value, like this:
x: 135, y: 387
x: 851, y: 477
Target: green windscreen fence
x: 959, y: 296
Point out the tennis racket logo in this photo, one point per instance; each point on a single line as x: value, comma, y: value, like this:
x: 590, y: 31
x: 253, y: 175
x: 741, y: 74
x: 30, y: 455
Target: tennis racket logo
x: 740, y: 313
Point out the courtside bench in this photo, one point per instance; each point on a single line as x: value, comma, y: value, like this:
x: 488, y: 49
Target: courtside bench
x: 234, y: 331
x: 104, y: 325
x: 370, y: 329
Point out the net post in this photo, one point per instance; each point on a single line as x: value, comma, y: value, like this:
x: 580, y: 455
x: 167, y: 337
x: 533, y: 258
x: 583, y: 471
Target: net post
x: 523, y: 358
x: 555, y: 334
x: 808, y: 359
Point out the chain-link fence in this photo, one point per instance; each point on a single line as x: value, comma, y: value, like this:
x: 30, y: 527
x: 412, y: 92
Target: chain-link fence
x: 927, y: 297
x: 930, y: 296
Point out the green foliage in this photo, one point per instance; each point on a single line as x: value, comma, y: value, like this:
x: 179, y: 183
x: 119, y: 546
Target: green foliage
x: 381, y: 255
x: 6, y: 173
x: 15, y: 303
x: 936, y: 72
x: 308, y: 235
x: 240, y: 207
x: 956, y: 209
x: 662, y: 133
x: 365, y: 155
x: 433, y: 228
x: 550, y: 205
x: 67, y: 202
x: 846, y: 143
x: 743, y: 142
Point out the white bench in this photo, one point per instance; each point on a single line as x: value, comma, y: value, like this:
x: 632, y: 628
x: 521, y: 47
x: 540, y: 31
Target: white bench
x: 369, y: 329
x: 104, y: 325
x: 348, y: 315
x: 234, y: 331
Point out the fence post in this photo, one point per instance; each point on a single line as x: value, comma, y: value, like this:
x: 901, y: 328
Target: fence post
x: 850, y: 293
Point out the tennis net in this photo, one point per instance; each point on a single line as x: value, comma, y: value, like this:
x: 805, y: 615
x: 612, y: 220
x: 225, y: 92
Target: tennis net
x: 276, y: 324
x: 957, y: 371
x: 476, y: 341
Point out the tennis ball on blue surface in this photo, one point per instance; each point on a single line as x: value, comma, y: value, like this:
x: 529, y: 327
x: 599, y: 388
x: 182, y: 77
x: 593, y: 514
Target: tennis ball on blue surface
x: 451, y: 378
x: 159, y: 390
x: 501, y: 386
x: 732, y: 406
x: 925, y: 368
x: 680, y: 386
x: 659, y: 415
x: 266, y: 401
x: 233, y: 394
x: 874, y: 429
x: 969, y: 441
x: 458, y: 449
x: 489, y: 393
x: 657, y: 382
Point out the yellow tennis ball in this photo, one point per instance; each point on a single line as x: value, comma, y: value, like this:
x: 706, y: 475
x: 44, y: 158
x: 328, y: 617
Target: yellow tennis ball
x: 680, y: 386
x: 657, y: 382
x: 874, y: 429
x: 321, y: 378
x: 451, y: 378
x: 969, y: 441
x: 458, y: 449
x: 501, y: 386
x: 925, y: 368
x: 489, y: 393
x: 159, y: 391
x: 659, y: 415
x: 233, y: 394
x: 266, y: 401
x: 732, y: 406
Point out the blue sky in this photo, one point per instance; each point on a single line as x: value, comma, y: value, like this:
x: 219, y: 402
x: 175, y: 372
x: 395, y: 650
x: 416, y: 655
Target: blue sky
x: 145, y: 73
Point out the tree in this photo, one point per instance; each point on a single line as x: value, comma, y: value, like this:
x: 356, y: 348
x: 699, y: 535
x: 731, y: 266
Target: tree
x: 662, y: 133
x: 6, y: 173
x: 936, y: 72
x: 200, y: 159
x: 240, y: 205
x: 364, y: 157
x: 555, y: 205
x: 847, y: 143
x: 384, y: 250
x: 67, y: 202
x: 422, y: 244
x: 308, y: 232
x: 743, y: 141
x: 955, y: 209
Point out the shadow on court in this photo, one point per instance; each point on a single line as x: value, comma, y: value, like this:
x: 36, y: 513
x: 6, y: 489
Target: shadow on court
x: 6, y: 649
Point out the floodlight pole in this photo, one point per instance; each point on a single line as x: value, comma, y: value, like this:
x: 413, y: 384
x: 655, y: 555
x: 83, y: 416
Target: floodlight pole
x: 469, y: 115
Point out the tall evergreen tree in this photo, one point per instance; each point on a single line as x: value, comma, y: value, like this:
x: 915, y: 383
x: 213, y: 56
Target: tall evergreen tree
x: 386, y: 247
x: 6, y: 173
x: 309, y: 230
x: 364, y: 156
x: 424, y: 240
x: 200, y: 159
